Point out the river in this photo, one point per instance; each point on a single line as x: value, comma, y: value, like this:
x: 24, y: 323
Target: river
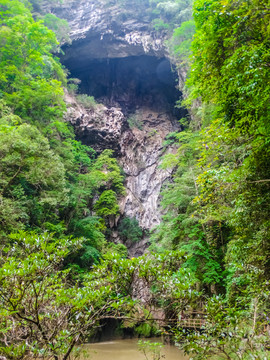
x: 127, y: 350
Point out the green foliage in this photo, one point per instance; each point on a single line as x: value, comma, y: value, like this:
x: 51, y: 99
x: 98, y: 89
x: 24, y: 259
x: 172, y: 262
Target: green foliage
x: 31, y: 77
x: 32, y: 176
x: 107, y: 204
x: 111, y: 172
x: 48, y: 179
x: 231, y: 48
x: 99, y: 179
x: 59, y: 26
x: 154, y: 348
x: 144, y: 330
x: 182, y: 226
x: 73, y: 86
x: 87, y: 101
x: 91, y: 229
x: 29, y: 275
x: 159, y: 24
x: 33, y: 184
x: 180, y: 42
x: 231, y: 69
x: 217, y: 207
x: 229, y: 333
x: 155, y: 270
x: 170, y: 138
x: 129, y: 229
x: 89, y: 256
x: 119, y: 249
x: 42, y: 313
x: 165, y: 15
x: 134, y: 122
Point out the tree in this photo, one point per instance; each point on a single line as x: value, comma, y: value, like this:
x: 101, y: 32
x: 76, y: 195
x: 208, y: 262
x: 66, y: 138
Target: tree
x: 230, y: 57
x: 229, y: 76
x: 230, y: 71
x: 129, y: 229
x: 154, y: 348
x: 229, y: 333
x: 183, y: 224
x: 173, y: 13
x: 107, y: 204
x: 32, y: 176
x: 180, y: 43
x: 158, y: 281
x: 94, y: 200
x: 43, y: 313
x: 59, y: 26
x: 31, y: 77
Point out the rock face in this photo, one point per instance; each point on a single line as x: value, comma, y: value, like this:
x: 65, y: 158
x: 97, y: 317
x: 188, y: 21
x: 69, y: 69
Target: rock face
x: 103, y: 29
x: 124, y: 66
x: 139, y: 152
x: 99, y: 127
x: 142, y: 150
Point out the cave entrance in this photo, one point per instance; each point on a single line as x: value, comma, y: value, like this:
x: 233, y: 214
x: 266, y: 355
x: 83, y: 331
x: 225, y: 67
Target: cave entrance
x: 129, y: 82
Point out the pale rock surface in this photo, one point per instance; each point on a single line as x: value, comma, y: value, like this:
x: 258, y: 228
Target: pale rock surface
x: 102, y: 32
x: 139, y: 152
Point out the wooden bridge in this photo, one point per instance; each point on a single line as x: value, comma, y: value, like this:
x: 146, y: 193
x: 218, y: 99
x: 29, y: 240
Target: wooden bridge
x: 196, y: 320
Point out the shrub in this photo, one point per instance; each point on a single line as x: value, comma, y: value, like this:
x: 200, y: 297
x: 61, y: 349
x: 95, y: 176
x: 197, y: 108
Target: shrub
x: 159, y: 24
x: 87, y: 101
x: 129, y: 229
x: 134, y: 122
x: 107, y: 204
x: 120, y: 249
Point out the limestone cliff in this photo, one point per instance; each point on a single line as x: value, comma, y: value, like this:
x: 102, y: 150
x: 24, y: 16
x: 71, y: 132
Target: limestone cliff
x: 123, y: 64
x: 139, y: 152
x: 105, y: 29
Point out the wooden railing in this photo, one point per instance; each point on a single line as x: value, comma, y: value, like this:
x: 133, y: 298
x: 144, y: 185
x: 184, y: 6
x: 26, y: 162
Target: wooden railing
x: 195, y: 323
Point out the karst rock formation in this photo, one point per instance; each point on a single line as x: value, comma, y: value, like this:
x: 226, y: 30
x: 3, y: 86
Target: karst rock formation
x: 124, y: 64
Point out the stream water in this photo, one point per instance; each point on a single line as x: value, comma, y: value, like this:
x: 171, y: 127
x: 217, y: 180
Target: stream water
x: 127, y: 350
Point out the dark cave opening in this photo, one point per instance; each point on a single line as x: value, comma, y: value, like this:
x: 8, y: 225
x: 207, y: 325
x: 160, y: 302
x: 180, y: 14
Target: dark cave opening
x: 129, y: 82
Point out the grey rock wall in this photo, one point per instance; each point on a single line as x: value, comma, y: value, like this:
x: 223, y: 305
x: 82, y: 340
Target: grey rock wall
x: 102, y: 32
x: 139, y: 152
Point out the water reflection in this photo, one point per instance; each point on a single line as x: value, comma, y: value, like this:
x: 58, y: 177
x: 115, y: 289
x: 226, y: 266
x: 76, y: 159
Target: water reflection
x: 127, y: 350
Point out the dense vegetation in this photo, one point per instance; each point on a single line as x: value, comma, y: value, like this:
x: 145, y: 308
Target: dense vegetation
x: 222, y: 180
x: 59, y: 277
x: 50, y: 183
x: 48, y: 179
x: 218, y: 205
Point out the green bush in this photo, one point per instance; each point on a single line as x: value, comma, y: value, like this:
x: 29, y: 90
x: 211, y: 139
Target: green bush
x: 117, y: 248
x: 107, y: 204
x: 159, y: 24
x: 59, y: 26
x: 72, y: 88
x: 87, y: 101
x: 134, y: 122
x: 129, y: 229
x: 144, y: 330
